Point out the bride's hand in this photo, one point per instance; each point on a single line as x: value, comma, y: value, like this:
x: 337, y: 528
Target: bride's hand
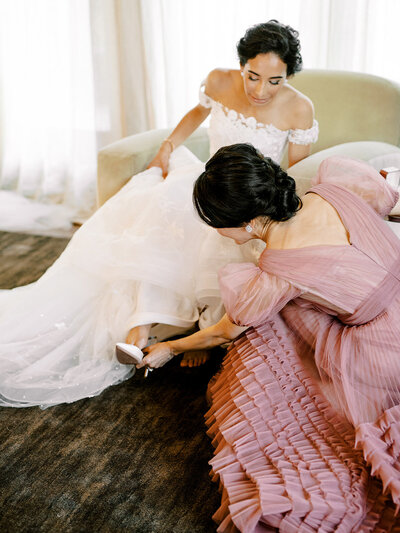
x: 161, y: 159
x: 157, y: 355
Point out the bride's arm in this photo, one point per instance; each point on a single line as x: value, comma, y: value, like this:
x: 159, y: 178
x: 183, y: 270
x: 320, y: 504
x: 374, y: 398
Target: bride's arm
x: 220, y: 333
x: 190, y: 122
x: 297, y: 152
x: 303, y: 130
x: 215, y: 80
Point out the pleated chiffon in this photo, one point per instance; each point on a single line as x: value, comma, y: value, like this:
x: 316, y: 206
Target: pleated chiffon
x: 284, y: 458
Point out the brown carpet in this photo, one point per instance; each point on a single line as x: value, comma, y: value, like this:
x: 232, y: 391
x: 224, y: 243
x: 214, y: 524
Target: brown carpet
x: 133, y: 459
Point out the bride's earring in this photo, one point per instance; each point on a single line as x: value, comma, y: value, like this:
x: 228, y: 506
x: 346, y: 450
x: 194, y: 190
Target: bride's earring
x: 249, y: 228
x: 242, y: 73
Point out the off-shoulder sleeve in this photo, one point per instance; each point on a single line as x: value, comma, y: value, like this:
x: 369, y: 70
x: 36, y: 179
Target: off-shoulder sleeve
x: 204, y: 99
x: 251, y: 295
x: 361, y: 178
x: 305, y: 137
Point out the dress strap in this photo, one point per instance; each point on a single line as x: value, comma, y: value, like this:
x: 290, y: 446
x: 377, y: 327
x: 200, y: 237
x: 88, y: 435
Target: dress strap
x: 299, y: 136
x: 204, y: 99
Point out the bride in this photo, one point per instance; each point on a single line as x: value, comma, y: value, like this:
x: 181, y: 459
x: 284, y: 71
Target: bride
x: 144, y: 257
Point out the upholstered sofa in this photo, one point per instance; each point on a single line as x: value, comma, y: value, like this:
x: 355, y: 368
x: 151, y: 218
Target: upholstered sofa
x: 358, y: 114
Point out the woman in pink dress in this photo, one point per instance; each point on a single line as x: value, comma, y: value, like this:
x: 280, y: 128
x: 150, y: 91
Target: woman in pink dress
x: 305, y: 415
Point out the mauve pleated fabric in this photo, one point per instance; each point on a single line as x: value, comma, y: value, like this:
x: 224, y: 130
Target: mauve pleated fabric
x: 305, y: 414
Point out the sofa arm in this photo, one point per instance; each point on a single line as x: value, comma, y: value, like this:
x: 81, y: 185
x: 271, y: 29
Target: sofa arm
x: 306, y: 169
x: 121, y: 160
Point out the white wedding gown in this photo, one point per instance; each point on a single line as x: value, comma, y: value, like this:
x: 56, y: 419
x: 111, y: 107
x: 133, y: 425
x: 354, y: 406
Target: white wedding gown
x: 144, y: 257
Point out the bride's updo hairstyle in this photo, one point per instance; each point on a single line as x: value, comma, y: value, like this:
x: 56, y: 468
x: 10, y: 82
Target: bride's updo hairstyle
x: 272, y: 36
x: 239, y: 184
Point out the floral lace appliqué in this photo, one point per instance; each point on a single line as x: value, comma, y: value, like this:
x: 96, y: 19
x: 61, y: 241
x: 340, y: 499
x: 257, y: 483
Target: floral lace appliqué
x: 227, y: 126
x: 309, y: 136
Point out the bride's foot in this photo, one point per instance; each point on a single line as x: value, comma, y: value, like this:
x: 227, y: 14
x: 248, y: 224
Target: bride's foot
x: 197, y: 358
x: 139, y: 336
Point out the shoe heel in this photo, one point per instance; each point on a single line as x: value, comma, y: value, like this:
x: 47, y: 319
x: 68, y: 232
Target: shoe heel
x: 128, y: 354
x: 123, y: 357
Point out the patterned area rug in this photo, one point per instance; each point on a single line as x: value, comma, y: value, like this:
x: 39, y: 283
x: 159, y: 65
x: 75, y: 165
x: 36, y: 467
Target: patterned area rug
x: 134, y: 459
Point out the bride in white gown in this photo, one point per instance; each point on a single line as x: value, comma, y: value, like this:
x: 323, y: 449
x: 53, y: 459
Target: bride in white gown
x: 135, y: 262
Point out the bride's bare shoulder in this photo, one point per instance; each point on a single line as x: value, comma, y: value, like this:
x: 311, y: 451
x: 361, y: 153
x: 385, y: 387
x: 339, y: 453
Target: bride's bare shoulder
x: 299, y: 107
x: 220, y: 81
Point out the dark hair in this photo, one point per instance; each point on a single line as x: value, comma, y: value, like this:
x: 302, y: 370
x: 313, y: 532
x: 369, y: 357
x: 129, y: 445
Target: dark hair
x: 239, y: 184
x: 272, y: 36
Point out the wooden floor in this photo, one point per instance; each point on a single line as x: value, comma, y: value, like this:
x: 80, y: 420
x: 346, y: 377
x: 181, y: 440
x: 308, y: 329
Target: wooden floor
x: 24, y: 258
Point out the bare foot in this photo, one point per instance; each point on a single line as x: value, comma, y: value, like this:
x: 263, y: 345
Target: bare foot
x: 139, y: 335
x: 196, y: 358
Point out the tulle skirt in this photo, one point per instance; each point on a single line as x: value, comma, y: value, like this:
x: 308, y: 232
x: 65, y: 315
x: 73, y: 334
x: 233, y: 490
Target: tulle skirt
x: 143, y: 258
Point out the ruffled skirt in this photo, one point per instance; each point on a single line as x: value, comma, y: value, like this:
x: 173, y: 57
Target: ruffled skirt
x: 285, y: 460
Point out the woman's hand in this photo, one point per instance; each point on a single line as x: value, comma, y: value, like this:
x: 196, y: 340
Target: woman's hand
x: 161, y: 159
x: 186, y: 127
x: 157, y: 355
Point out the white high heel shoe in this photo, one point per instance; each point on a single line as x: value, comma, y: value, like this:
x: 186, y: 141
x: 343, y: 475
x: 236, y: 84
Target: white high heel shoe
x: 129, y: 354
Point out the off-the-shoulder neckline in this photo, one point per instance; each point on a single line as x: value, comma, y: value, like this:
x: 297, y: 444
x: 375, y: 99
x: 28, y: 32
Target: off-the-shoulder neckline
x: 251, y: 118
x: 253, y: 121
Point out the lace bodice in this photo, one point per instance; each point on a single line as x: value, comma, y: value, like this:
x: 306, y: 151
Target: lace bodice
x: 227, y: 126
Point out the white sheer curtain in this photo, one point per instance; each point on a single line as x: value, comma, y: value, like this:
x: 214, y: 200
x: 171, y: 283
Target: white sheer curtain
x: 79, y: 74
x: 47, y: 100
x: 71, y: 82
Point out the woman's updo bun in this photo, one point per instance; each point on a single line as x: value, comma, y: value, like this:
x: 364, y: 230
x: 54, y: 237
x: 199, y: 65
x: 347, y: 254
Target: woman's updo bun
x: 239, y: 184
x: 286, y: 200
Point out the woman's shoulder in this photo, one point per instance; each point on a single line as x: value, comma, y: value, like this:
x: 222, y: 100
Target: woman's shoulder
x: 299, y: 107
x: 220, y: 81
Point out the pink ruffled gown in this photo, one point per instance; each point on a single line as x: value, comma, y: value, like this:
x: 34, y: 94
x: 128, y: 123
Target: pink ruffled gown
x: 305, y: 414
